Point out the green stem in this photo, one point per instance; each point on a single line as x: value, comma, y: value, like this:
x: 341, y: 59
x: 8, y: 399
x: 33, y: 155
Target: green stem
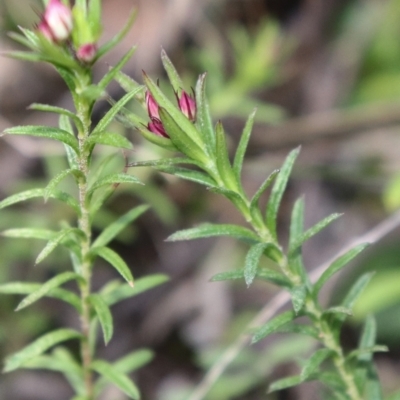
x: 83, y: 110
x: 330, y: 342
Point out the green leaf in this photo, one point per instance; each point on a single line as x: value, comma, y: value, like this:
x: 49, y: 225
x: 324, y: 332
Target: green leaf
x: 108, y: 139
x: 126, y: 82
x: 109, y: 76
x: 94, y: 18
x: 160, y: 141
x: 49, y: 190
x: 337, y: 310
x: 29, y: 233
x: 53, y: 243
x: 309, y: 233
x: 58, y: 110
x: 38, y: 347
x: 114, y: 376
x: 46, y: 287
x: 173, y: 75
x: 113, y: 111
x: 113, y: 179
x: 222, y: 157
x: 252, y: 260
x: 278, y: 190
x: 65, y: 124
x: 16, y: 198
x: 116, y: 261
x: 104, y: 315
x: 163, y: 162
x: 105, y: 48
x: 367, y: 351
x: 46, y: 132
x: 211, y: 230
x: 264, y: 186
x: 336, y: 265
x: 69, y: 80
x: 272, y: 325
x: 203, y: 116
x: 28, y: 288
x: 242, y: 146
x: 112, y: 230
x: 133, y: 361
x: 182, y: 139
x: 125, y: 291
x: 314, y: 362
x: 228, y: 276
x: 299, y: 295
x: 301, y: 329
x: 188, y: 174
x: 285, y: 383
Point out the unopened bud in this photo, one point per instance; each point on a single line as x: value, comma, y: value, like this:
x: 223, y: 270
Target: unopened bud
x: 86, y: 53
x: 56, y: 23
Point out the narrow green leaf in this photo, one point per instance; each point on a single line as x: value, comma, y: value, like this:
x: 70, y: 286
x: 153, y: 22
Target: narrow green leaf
x: 38, y: 347
x: 116, y: 261
x: 113, y: 179
x: 125, y: 291
x: 301, y: 329
x: 299, y: 295
x: 112, y: 230
x: 28, y: 288
x: 228, y: 276
x: 22, y: 40
x: 46, y: 132
x: 113, y: 111
x: 172, y: 73
x: 337, y: 265
x: 368, y: 337
x: 252, y: 260
x: 272, y: 325
x: 278, y: 190
x: 108, y: 139
x: 46, y: 287
x: 222, y: 157
x: 65, y: 198
x: 313, y: 363
x: 16, y: 198
x: 367, y: 351
x: 264, y: 186
x: 163, y: 142
x: 182, y: 139
x: 109, y: 76
x: 105, y: 48
x: 190, y: 175
x: 333, y: 380
x: 133, y: 361
x: 337, y: 310
x: 285, y: 383
x: 25, y: 56
x: 58, y: 110
x: 65, y: 124
x: 356, y: 290
x: 295, y: 257
x: 29, y: 233
x: 211, y: 230
x: 242, y: 147
x: 309, y: 233
x: 104, y: 315
x: 163, y: 162
x: 114, y: 376
x: 203, y: 116
x: 57, y: 179
x: 126, y: 82
x: 53, y: 243
x: 94, y: 18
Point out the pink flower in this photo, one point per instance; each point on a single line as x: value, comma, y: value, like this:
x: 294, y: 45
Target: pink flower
x: 87, y: 52
x: 187, y: 104
x: 56, y: 23
x: 152, y: 106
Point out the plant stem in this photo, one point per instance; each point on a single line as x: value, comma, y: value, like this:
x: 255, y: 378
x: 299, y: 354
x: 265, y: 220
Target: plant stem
x: 330, y: 342
x: 83, y: 110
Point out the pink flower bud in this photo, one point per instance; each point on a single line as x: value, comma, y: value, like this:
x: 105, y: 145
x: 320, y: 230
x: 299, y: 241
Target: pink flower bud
x: 87, y: 52
x: 56, y: 23
x: 157, y: 127
x: 187, y: 104
x: 152, y: 106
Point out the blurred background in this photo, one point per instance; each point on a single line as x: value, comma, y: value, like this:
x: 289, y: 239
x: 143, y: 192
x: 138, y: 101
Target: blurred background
x: 323, y: 74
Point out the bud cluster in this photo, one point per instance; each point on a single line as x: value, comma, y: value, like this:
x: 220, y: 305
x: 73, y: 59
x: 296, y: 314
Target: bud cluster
x: 57, y: 25
x: 186, y: 103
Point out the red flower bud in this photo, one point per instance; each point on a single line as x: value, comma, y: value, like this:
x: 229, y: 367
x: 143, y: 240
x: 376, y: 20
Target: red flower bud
x: 87, y: 52
x: 157, y: 127
x: 56, y: 23
x: 152, y: 106
x: 187, y: 104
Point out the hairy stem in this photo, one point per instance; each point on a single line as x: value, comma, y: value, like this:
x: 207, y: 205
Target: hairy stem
x: 86, y: 266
